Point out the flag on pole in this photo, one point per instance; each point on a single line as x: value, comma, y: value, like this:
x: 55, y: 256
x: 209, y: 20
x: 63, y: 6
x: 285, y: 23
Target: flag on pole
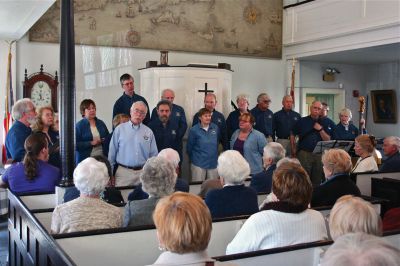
x: 9, y: 102
x: 292, y: 81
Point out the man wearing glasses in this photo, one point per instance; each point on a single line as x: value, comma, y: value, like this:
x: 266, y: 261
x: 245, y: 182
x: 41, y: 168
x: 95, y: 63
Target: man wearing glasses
x: 23, y: 112
x: 124, y: 103
x: 263, y: 116
x: 131, y: 145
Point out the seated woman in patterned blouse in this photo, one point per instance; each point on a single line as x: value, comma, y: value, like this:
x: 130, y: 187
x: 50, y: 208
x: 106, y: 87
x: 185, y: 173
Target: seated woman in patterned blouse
x: 88, y: 212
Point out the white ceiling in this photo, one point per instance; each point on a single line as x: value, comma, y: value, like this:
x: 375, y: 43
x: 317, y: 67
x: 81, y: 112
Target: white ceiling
x: 371, y: 55
x: 17, y: 17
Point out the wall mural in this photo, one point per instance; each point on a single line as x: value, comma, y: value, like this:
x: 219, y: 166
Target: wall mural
x: 236, y: 27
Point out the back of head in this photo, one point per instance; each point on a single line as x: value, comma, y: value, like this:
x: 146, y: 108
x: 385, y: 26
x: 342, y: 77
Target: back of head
x: 274, y: 151
x: 359, y: 249
x: 288, y: 160
x: 91, y: 177
x: 171, y: 156
x: 337, y: 161
x: 33, y: 145
x: 119, y: 119
x: 158, y: 177
x: 352, y: 215
x: 232, y: 167
x: 183, y: 223
x: 291, y: 184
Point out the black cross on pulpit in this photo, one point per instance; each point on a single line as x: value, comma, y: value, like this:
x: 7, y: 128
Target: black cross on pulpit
x: 205, y: 90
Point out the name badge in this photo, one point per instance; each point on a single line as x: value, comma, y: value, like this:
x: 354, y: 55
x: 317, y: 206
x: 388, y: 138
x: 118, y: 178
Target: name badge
x: 178, y: 114
x: 213, y: 132
x: 219, y: 120
x: 270, y: 116
x: 173, y: 132
x: 146, y: 138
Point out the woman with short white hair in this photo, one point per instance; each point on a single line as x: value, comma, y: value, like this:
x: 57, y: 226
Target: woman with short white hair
x: 88, y: 212
x: 158, y: 180
x: 345, y: 130
x: 234, y: 198
x: 273, y: 152
x: 353, y: 215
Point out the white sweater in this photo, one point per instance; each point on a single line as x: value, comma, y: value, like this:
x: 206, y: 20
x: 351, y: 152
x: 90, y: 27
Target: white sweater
x: 270, y: 229
x: 365, y: 165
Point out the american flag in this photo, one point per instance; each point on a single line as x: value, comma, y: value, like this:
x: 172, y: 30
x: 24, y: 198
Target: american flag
x: 9, y: 102
x: 292, y: 81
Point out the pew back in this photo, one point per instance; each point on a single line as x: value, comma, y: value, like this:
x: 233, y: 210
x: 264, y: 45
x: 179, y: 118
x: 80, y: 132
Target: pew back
x: 363, y: 180
x: 137, y: 247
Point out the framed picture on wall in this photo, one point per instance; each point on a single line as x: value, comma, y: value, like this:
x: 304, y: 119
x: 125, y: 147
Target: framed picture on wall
x: 384, y: 106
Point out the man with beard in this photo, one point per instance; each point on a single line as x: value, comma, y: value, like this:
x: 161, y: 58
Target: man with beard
x: 165, y: 129
x: 23, y: 112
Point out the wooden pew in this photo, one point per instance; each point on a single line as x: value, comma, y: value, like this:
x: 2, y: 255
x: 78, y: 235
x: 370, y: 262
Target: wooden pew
x: 135, y: 246
x: 363, y: 180
x: 300, y: 255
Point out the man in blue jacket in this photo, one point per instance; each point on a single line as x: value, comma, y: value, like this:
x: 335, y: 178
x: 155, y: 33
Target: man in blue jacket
x: 24, y: 115
x: 263, y: 116
x: 166, y: 129
x: 177, y: 113
x: 124, y: 103
x: 391, y: 148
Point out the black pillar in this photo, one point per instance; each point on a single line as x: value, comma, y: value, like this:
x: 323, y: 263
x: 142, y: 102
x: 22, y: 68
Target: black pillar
x: 67, y: 92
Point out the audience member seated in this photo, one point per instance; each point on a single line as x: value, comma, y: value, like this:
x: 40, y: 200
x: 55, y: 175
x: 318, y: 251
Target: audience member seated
x: 391, y: 219
x: 234, y: 198
x: 391, y: 149
x: 361, y: 249
x: 90, y: 132
x: 171, y: 156
x: 337, y: 166
x: 44, y: 123
x: 262, y: 181
x: 184, y: 226
x: 109, y: 195
x: 88, y: 212
x: 34, y: 174
x: 285, y: 221
x: 353, y: 215
x: 365, y: 148
x: 158, y: 180
x: 249, y: 142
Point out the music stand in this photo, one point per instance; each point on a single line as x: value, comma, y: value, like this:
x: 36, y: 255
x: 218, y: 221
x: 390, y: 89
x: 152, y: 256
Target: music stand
x: 332, y: 144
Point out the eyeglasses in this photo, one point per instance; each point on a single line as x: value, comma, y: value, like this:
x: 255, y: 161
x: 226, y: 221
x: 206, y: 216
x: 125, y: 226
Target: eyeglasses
x: 127, y: 83
x: 266, y: 101
x: 141, y: 112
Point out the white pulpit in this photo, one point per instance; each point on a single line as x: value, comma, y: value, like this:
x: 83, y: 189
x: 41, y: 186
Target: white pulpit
x: 186, y: 82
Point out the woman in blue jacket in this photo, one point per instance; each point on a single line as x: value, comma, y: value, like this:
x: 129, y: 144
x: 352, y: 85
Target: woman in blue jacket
x: 90, y: 133
x: 249, y: 142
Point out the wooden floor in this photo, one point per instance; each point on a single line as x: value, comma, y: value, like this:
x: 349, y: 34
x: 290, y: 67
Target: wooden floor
x: 3, y: 240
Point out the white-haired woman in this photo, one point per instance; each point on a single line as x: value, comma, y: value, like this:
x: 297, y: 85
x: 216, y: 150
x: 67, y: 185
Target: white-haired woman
x: 158, y: 180
x: 262, y: 181
x: 354, y: 215
x: 232, y: 122
x: 234, y: 198
x: 345, y: 130
x: 88, y: 212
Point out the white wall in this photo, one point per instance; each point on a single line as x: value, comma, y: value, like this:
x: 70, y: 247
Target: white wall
x: 351, y: 78
x: 251, y: 75
x: 384, y: 77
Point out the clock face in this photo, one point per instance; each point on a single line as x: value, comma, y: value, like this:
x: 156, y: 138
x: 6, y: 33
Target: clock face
x: 41, y: 94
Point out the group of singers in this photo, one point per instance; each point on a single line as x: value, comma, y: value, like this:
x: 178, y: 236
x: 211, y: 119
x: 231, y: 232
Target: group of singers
x: 137, y: 136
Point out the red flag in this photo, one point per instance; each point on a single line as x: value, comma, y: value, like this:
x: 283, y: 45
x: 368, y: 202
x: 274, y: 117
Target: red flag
x: 292, y: 81
x: 9, y: 102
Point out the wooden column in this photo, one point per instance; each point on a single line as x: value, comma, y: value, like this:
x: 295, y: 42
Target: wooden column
x: 67, y: 92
